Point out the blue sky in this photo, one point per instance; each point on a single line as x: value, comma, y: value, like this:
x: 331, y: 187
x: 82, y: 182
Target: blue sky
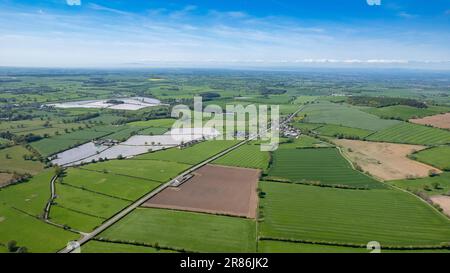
x: 216, y: 33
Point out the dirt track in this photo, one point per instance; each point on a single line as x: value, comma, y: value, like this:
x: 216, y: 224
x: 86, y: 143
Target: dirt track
x: 386, y: 161
x: 213, y: 189
x: 439, y: 121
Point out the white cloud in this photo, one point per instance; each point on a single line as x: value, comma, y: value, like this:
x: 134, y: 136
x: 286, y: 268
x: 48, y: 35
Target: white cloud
x: 73, y: 2
x: 406, y: 15
x: 228, y: 14
x: 103, y: 8
x: 374, y: 2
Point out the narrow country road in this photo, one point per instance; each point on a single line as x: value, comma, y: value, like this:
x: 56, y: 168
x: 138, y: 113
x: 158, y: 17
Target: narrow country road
x: 52, y: 197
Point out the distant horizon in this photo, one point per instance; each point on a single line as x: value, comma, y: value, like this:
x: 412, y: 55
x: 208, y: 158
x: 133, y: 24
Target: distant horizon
x: 240, y: 68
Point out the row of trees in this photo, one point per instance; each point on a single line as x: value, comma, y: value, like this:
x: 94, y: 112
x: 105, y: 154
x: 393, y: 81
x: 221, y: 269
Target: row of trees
x: 384, y: 101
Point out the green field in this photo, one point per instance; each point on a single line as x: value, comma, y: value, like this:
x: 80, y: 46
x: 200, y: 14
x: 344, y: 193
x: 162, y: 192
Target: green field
x: 404, y: 112
x: 123, y: 133
x: 304, y: 141
x: 76, y: 220
x: 38, y: 126
x: 312, y: 213
x: 94, y: 246
x: 246, y: 156
x: 53, y: 145
x: 30, y: 196
x: 20, y: 124
x: 412, y: 134
x: 159, y: 123
x: 29, y: 232
x: 153, y: 131
x: 304, y: 99
x: 436, y: 156
x: 87, y: 202
x: 11, y: 159
x: 342, y: 131
x: 427, y: 184
x: 190, y: 155
x: 114, y: 185
x: 324, y: 165
x: 286, y: 109
x: 305, y: 127
x: 271, y: 99
x: 20, y: 204
x: 269, y: 246
x: 185, y: 230
x: 154, y: 170
x: 344, y: 115
x: 106, y: 119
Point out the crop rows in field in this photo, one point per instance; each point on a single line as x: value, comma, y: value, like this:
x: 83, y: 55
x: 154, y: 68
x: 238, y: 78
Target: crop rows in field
x: 303, y: 141
x: 412, y: 134
x: 391, y: 217
x: 405, y: 112
x: 271, y: 246
x: 246, y: 156
x: 305, y: 127
x: 344, y: 115
x: 324, y: 165
x: 342, y: 131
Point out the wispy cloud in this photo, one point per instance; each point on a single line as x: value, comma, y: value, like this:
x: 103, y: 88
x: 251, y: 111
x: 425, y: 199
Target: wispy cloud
x: 73, y: 2
x: 228, y: 14
x: 107, y: 9
x: 406, y: 15
x: 190, y: 35
x: 177, y: 14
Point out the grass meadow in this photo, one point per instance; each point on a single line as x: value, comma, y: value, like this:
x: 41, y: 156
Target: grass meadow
x: 438, y: 157
x: 185, y: 230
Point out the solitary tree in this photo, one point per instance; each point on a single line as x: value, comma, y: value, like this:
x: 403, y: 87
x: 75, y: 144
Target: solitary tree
x: 12, y: 246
